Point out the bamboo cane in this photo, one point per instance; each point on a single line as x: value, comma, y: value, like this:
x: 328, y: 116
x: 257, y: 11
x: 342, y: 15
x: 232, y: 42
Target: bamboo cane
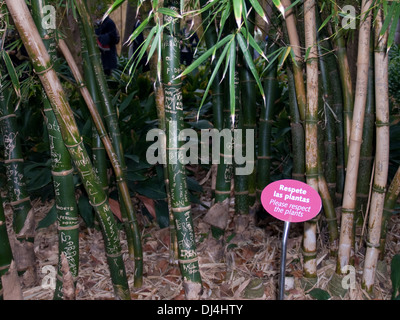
x: 23, y: 214
x: 98, y: 151
x: 382, y: 154
x: 73, y: 140
x: 311, y: 142
x: 349, y: 196
x: 6, y: 255
x: 62, y: 170
x: 392, y: 195
x: 366, y: 151
x: 127, y: 210
x: 181, y: 208
x: 347, y: 87
x: 298, y: 62
x: 264, y: 156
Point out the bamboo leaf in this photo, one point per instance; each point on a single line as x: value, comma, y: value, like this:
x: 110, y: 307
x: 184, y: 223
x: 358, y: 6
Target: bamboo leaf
x: 138, y: 30
x: 280, y: 7
x: 258, y: 8
x: 393, y: 28
x: 169, y: 12
x: 325, y: 22
x: 237, y: 11
x: 250, y: 63
x: 113, y: 7
x: 395, y: 275
x: 284, y: 56
x: 205, y: 55
x: 319, y: 294
x: 224, y: 17
x: 253, y: 43
x: 13, y: 75
x: 213, y: 75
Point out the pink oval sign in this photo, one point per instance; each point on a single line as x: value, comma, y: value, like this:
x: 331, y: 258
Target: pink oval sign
x: 291, y: 200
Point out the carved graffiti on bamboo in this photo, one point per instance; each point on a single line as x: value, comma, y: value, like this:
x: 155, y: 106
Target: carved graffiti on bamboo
x: 70, y: 251
x: 190, y: 268
x: 10, y: 142
x: 55, y: 156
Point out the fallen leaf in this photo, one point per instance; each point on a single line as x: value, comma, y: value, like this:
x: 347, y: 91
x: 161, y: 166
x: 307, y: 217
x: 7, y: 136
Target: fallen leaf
x: 115, y: 208
x: 149, y: 204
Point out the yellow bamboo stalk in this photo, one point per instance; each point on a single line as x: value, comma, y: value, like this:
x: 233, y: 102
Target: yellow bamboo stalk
x: 298, y: 65
x: 382, y: 154
x: 349, y: 197
x: 310, y: 228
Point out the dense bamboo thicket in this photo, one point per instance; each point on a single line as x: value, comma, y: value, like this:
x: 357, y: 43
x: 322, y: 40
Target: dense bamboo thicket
x: 289, y: 96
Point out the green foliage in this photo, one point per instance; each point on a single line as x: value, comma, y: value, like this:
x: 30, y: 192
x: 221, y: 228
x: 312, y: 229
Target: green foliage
x: 319, y: 294
x: 394, y: 77
x: 395, y: 277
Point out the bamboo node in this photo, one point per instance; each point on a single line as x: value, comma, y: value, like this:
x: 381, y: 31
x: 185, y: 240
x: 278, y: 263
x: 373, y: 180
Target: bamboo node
x: 98, y: 204
x: 372, y: 245
x: 182, y: 209
x: 74, y: 145
x: 62, y: 173
x: 43, y: 71
x: 13, y: 160
x: 7, y: 116
x: 14, y: 203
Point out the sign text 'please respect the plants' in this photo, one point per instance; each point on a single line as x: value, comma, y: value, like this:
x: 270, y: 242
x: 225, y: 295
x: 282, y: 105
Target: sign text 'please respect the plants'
x: 291, y: 200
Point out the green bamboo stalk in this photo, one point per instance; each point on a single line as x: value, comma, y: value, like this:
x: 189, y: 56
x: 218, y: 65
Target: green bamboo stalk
x: 23, y: 214
x: 127, y: 210
x: 173, y: 248
x: 62, y: 170
x: 181, y: 208
x: 99, y: 154
x: 297, y: 129
x: 347, y: 86
x: 118, y: 171
x: 345, y: 253
x: 249, y: 109
x: 73, y: 141
x: 241, y: 182
x: 382, y: 153
x: 311, y: 139
x: 298, y: 64
x: 328, y: 123
x: 264, y: 156
x: 392, y: 195
x: 224, y: 170
x: 6, y: 255
x: 366, y: 151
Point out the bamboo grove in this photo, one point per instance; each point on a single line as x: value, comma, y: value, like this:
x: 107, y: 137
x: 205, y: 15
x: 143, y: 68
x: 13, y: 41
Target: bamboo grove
x: 339, y: 123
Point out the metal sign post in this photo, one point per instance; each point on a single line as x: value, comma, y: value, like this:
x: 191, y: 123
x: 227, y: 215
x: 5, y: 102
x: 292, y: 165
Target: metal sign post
x: 289, y: 201
x: 283, y: 260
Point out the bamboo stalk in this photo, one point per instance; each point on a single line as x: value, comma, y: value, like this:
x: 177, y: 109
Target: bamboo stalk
x: 311, y: 142
x: 62, y: 170
x: 6, y: 255
x: 349, y: 197
x: 298, y: 62
x: 366, y: 151
x: 382, y: 154
x: 127, y: 210
x: 181, y: 207
x: 72, y: 139
x: 347, y: 86
x: 264, y: 156
x: 23, y: 214
x: 392, y: 195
